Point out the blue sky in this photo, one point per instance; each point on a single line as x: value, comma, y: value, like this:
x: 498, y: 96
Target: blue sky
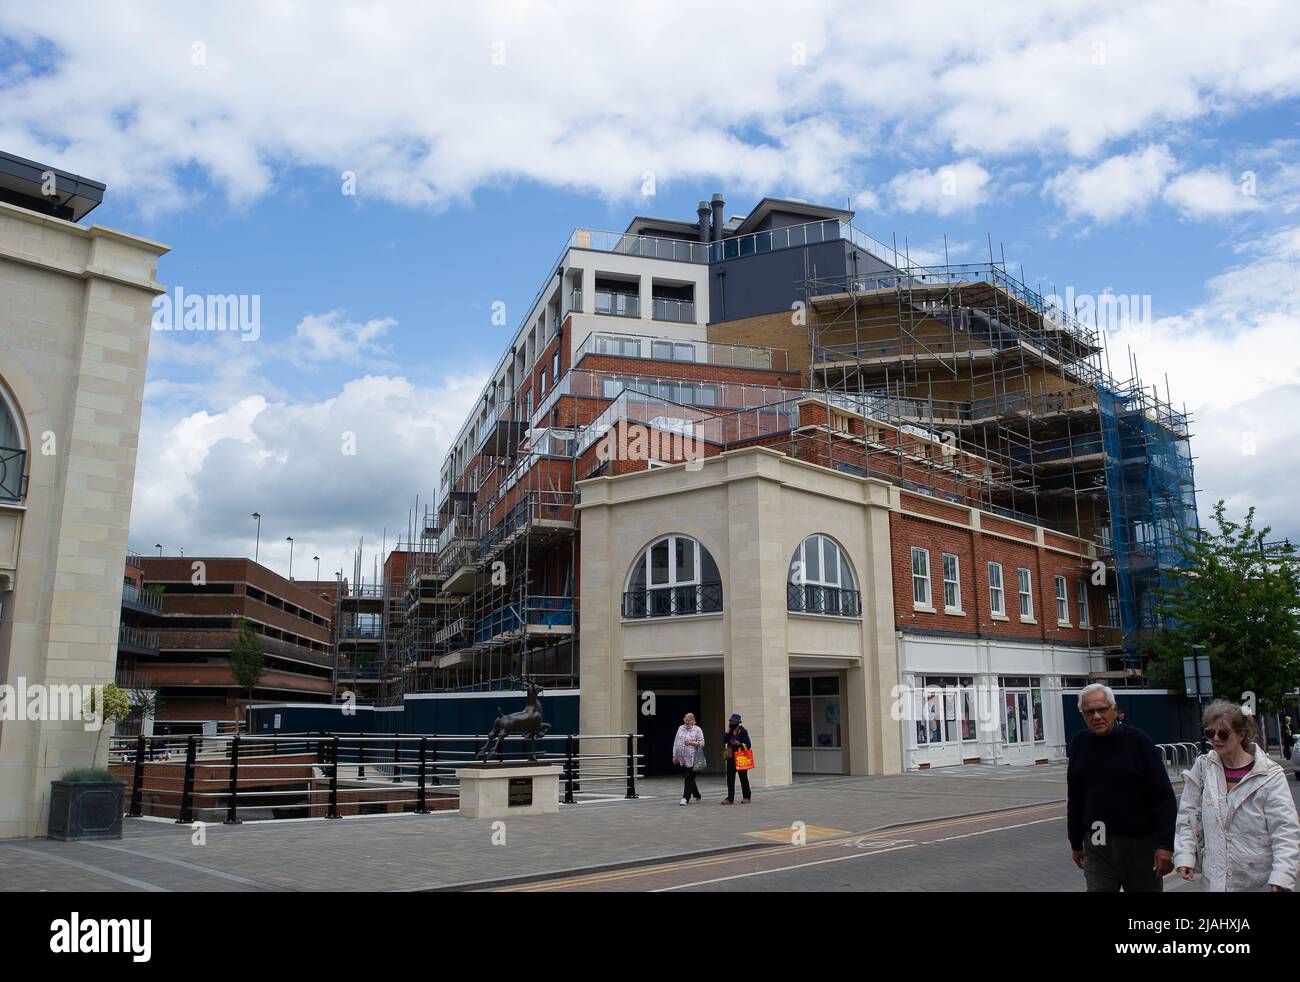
x: 1143, y: 149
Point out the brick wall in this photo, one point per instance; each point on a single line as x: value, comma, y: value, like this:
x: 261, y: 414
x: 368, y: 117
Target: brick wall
x: 974, y: 550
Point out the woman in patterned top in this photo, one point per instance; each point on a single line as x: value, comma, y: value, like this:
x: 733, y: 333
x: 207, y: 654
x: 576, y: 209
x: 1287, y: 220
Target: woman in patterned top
x: 1237, y: 818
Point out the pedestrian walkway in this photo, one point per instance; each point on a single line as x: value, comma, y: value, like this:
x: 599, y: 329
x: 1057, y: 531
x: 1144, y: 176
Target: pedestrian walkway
x: 444, y: 850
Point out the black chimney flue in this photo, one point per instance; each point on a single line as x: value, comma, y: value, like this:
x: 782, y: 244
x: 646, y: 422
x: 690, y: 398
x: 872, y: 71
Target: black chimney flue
x: 703, y: 212
x: 717, y: 217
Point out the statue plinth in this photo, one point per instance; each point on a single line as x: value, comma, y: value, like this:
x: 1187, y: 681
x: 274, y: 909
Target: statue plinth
x: 501, y: 789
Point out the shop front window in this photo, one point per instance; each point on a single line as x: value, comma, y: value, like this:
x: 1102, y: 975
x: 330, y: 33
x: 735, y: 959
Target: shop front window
x: 1022, y: 711
x: 944, y: 708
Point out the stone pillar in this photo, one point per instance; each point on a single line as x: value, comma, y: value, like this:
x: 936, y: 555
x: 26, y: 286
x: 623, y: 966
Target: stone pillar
x: 756, y: 665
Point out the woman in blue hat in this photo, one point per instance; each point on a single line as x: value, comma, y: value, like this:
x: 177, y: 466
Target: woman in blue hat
x: 736, y: 738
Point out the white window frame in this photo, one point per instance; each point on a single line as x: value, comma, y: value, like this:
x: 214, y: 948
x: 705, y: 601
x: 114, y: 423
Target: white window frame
x: 672, y: 582
x: 921, y: 599
x: 845, y: 578
x: 954, y: 581
x: 997, y: 593
x: 1025, y: 590
x: 1062, y: 603
x: 1081, y: 595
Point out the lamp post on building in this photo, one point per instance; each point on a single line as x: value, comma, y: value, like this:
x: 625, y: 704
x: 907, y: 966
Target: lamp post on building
x: 317, y: 558
x: 158, y: 546
x: 257, y: 541
x: 289, y: 539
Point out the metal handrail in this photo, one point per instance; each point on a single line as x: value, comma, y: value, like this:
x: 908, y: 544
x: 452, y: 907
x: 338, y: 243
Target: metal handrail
x: 411, y: 762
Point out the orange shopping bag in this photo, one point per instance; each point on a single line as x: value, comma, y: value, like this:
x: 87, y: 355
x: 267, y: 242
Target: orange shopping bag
x: 744, y: 760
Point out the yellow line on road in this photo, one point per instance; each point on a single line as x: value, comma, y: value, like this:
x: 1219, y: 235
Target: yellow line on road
x: 691, y: 864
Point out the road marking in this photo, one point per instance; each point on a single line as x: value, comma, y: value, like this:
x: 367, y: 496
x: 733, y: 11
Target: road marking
x: 840, y: 859
x: 810, y: 832
x: 593, y: 879
x: 783, y: 869
x: 1004, y: 828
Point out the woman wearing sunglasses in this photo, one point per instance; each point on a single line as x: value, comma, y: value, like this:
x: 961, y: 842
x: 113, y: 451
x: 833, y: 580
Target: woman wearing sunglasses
x: 1237, y: 819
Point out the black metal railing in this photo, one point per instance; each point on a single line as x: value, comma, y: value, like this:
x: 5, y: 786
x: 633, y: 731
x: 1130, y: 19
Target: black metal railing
x: 699, y: 598
x: 809, y: 598
x: 12, y: 462
x: 331, y: 775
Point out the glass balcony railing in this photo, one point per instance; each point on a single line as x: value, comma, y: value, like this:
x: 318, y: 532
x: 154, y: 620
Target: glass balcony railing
x: 674, y: 349
x: 132, y: 594
x: 676, y: 311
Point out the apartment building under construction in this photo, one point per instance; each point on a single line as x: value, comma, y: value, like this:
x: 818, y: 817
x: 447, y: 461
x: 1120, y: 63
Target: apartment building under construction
x: 1020, y: 503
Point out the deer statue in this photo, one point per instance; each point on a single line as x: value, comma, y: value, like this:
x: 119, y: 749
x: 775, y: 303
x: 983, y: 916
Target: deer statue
x: 527, y: 722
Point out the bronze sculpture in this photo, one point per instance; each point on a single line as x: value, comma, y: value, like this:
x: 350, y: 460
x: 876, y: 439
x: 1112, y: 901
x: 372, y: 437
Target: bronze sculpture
x: 527, y: 723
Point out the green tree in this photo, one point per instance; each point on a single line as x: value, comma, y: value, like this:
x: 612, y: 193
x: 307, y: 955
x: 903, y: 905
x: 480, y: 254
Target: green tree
x: 1236, y: 604
x: 247, y: 663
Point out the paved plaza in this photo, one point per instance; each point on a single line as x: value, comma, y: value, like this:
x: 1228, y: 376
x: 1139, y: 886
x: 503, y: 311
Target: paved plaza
x: 975, y: 827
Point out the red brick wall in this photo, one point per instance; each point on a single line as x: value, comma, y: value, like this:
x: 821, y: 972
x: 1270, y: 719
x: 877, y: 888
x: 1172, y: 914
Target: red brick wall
x: 974, y: 550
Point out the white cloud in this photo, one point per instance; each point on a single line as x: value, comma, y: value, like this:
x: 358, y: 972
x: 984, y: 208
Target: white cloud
x: 1115, y: 187
x: 1209, y: 193
x: 201, y: 476
x: 958, y: 187
x: 1235, y: 361
x: 331, y: 337
x: 409, y: 97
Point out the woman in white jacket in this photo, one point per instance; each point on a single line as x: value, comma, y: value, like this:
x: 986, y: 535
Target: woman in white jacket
x: 1237, y: 822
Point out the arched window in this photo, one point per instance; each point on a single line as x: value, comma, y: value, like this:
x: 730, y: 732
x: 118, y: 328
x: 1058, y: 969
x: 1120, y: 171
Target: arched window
x: 821, y: 580
x: 13, y: 454
x: 674, y: 575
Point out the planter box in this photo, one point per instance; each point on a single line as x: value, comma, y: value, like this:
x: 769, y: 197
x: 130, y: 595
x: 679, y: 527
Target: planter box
x: 91, y: 810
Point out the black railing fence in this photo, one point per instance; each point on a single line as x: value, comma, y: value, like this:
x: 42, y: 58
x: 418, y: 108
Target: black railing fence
x: 193, y: 778
x: 699, y: 598
x: 809, y: 598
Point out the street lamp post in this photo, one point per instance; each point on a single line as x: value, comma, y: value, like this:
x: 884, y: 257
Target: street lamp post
x: 258, y: 541
x: 289, y: 539
x: 317, y: 558
x: 158, y: 546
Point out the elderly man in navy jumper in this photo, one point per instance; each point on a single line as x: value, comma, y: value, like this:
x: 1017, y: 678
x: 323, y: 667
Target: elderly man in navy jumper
x: 1121, y: 808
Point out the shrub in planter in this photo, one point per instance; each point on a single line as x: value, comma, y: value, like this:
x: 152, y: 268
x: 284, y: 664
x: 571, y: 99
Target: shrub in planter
x: 86, y: 803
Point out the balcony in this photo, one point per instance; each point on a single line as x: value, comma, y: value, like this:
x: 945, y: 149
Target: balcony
x: 136, y: 641
x: 809, y: 598
x: 460, y: 527
x: 12, y: 462
x: 676, y: 311
x: 675, y: 601
x: 143, y: 601
x: 675, y: 349
x: 610, y: 303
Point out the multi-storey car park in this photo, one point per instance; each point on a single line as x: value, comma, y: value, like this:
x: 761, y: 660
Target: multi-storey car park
x: 893, y: 514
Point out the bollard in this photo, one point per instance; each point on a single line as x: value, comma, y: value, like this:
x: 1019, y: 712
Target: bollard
x: 420, y: 807
x: 187, y: 785
x: 631, y: 765
x: 232, y: 814
x: 137, y: 780
x: 569, y: 741
x: 334, y: 779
